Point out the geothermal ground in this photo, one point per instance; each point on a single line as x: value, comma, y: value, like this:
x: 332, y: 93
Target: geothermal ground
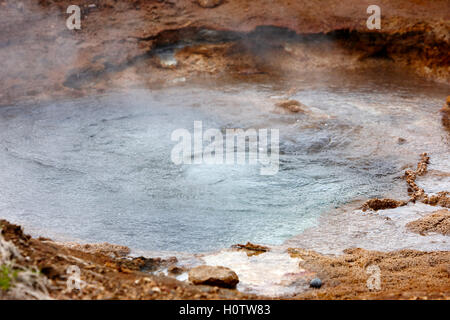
x: 358, y: 109
x: 118, y: 41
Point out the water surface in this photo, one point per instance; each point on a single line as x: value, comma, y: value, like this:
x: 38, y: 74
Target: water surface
x: 99, y: 168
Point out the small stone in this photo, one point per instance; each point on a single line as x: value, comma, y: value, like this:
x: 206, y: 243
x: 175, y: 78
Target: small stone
x: 293, y: 106
x: 149, y: 280
x: 175, y: 270
x: 209, y: 3
x: 155, y: 290
x: 251, y: 249
x: 213, y: 276
x: 50, y: 272
x: 315, y: 283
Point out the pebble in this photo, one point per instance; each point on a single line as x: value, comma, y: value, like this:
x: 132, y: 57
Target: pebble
x: 154, y: 290
x: 209, y: 3
x: 315, y: 283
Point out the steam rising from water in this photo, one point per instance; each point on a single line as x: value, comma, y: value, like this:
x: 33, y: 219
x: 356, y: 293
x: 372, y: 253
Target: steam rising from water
x: 99, y: 169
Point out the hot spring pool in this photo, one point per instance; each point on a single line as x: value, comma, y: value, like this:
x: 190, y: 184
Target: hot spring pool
x: 99, y: 168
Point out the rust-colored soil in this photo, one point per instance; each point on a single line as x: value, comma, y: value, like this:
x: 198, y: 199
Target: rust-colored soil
x: 41, y: 58
x: 105, y: 276
x: 438, y: 221
x: 405, y: 274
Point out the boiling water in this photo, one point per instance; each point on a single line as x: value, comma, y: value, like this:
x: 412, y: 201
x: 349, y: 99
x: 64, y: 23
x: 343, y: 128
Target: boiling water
x: 99, y: 168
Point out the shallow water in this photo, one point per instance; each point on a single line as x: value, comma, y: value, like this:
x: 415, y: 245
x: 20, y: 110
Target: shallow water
x: 273, y: 273
x: 99, y: 168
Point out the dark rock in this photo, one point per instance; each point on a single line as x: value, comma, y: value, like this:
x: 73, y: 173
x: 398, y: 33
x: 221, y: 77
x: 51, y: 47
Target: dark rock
x: 50, y: 272
x: 251, y: 248
x: 175, y: 270
x: 315, y: 283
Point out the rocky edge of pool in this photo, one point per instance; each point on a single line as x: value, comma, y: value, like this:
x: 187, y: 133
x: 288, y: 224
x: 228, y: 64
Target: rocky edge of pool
x: 362, y: 247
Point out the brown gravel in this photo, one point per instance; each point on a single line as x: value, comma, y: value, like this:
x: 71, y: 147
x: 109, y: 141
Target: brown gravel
x: 113, y: 250
x: 438, y: 221
x: 105, y: 277
x: 251, y: 249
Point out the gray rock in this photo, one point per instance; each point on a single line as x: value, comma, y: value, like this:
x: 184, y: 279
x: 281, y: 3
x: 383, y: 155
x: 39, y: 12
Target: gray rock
x: 315, y: 283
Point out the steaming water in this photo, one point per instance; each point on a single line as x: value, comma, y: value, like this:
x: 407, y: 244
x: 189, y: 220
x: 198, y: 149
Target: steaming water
x: 99, y: 168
